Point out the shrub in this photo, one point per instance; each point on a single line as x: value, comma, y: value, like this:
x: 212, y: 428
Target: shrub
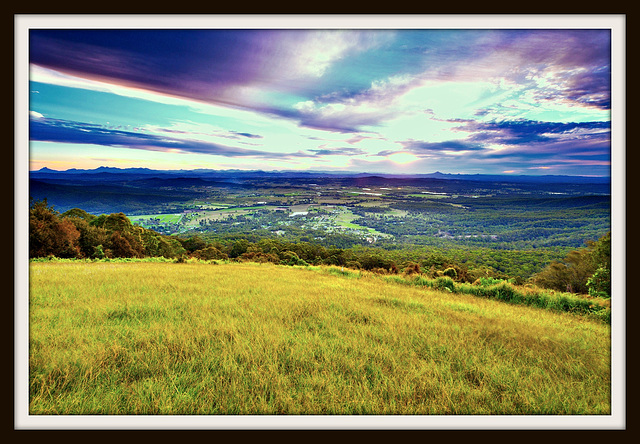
x: 98, y: 252
x: 258, y: 256
x: 209, y: 253
x: 421, y: 281
x: 354, y: 265
x: 444, y: 282
x: 487, y: 281
x: 412, y: 268
x: 505, y: 292
x: 599, y: 284
x: 450, y: 272
x: 292, y: 258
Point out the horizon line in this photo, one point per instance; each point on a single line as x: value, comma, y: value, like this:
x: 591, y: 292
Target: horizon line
x: 319, y: 171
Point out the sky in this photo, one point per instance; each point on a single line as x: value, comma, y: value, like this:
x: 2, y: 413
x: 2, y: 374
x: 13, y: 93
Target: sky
x: 489, y: 101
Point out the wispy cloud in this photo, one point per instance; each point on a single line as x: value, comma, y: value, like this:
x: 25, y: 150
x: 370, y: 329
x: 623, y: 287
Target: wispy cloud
x: 53, y: 130
x: 450, y: 145
x: 520, y: 131
x: 347, y: 151
x: 561, y: 64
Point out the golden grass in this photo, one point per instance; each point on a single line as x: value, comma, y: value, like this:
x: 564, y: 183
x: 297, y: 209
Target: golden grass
x: 245, y: 338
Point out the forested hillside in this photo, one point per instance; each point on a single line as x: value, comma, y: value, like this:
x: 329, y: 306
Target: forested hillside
x: 78, y: 234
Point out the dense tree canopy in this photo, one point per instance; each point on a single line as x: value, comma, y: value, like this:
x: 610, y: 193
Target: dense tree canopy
x: 75, y: 233
x: 586, y: 270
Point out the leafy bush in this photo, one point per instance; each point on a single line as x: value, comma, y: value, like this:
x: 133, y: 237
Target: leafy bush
x: 292, y: 258
x: 98, y: 252
x: 586, y: 270
x: 599, y: 284
x: 450, y: 272
x: 506, y: 292
x: 444, y: 283
x: 421, y: 281
x: 257, y: 256
x: 412, y: 268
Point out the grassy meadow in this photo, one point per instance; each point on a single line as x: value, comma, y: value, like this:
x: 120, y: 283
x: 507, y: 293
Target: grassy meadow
x: 161, y: 338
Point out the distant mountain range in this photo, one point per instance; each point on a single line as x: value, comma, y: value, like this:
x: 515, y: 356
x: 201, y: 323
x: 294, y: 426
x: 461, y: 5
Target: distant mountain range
x: 111, y: 173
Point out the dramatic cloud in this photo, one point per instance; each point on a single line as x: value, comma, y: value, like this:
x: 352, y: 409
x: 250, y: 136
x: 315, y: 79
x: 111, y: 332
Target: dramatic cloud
x: 222, y: 66
x: 330, y: 98
x: 569, y: 65
x: 519, y: 71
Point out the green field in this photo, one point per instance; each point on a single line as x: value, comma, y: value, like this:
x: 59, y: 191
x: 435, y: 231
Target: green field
x: 162, y: 338
x: 344, y: 220
x: 162, y: 218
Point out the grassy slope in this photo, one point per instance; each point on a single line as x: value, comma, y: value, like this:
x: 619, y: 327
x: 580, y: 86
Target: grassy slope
x: 163, y: 338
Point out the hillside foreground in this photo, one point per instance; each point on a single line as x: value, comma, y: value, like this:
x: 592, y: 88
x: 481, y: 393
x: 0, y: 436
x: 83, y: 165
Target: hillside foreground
x: 114, y: 338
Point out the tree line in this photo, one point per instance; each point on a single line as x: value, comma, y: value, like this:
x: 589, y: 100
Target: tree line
x: 78, y: 234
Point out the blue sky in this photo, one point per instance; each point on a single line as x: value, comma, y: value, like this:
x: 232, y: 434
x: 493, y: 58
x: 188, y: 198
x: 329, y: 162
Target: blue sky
x: 519, y: 101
